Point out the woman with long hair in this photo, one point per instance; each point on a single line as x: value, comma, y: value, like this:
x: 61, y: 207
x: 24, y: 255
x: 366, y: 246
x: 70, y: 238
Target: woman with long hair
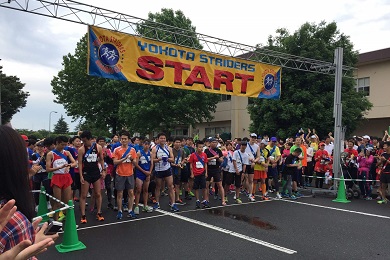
x: 14, y: 185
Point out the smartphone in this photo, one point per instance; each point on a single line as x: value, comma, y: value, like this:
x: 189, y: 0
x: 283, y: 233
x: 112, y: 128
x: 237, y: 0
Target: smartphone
x: 53, y: 228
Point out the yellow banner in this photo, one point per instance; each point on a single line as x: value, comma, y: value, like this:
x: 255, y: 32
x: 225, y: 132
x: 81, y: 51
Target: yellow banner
x: 120, y: 56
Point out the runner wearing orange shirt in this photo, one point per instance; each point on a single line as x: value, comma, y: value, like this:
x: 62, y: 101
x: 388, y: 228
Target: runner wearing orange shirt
x: 125, y: 158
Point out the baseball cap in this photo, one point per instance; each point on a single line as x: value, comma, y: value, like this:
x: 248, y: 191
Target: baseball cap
x: 321, y: 144
x: 25, y: 138
x: 264, y: 142
x: 212, y: 139
x: 253, y: 135
x: 366, y: 136
x: 274, y: 139
x: 313, y: 136
x: 370, y: 148
x: 40, y: 144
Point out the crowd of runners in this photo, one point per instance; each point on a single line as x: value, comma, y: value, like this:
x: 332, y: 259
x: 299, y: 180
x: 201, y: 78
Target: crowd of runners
x: 132, y: 173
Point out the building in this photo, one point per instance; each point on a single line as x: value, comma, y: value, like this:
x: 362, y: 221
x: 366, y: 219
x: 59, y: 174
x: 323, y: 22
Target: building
x: 372, y: 77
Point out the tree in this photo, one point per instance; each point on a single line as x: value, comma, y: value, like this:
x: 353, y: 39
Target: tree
x: 61, y: 127
x: 13, y: 98
x: 94, y: 99
x: 164, y: 108
x: 141, y: 108
x: 307, y: 98
x: 96, y: 130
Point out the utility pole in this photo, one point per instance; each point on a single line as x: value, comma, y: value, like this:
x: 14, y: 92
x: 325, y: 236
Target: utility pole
x: 50, y: 119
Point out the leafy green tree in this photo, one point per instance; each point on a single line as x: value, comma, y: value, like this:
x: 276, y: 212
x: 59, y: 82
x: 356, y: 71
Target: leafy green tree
x: 13, y: 98
x: 96, y: 130
x: 61, y: 127
x: 307, y: 98
x: 163, y: 108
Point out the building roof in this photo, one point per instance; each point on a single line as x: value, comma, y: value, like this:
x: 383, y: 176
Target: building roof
x: 374, y: 56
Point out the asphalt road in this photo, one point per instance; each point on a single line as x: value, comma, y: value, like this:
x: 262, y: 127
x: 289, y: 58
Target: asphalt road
x: 309, y: 228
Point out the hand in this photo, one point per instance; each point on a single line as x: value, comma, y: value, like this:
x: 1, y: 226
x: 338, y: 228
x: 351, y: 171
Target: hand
x: 82, y: 180
x: 330, y: 134
x: 25, y: 249
x: 6, y: 213
x: 192, y: 176
x: 308, y: 130
x: 40, y: 236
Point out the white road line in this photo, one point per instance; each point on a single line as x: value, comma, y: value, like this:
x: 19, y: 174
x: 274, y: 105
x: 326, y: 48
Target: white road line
x: 338, y: 209
x: 229, y: 232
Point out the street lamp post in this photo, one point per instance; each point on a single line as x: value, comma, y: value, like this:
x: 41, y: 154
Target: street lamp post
x: 50, y: 119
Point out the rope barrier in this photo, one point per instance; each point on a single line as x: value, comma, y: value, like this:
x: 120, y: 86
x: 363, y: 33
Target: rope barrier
x: 331, y: 178
x: 48, y: 195
x: 65, y: 206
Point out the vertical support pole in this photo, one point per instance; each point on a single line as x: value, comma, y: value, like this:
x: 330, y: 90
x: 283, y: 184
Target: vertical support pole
x: 337, y: 114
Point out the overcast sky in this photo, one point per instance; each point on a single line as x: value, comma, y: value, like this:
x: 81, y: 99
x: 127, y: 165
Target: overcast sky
x: 32, y: 46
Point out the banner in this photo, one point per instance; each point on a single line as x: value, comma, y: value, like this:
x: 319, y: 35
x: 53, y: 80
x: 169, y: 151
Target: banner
x: 120, y: 56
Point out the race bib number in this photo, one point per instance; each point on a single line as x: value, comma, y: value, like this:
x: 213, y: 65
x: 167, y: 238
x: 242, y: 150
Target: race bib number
x: 213, y: 162
x: 143, y: 160
x: 199, y: 165
x: 92, y: 158
x: 128, y: 160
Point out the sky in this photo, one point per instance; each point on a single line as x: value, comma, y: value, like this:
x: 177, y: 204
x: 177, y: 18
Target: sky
x: 32, y: 46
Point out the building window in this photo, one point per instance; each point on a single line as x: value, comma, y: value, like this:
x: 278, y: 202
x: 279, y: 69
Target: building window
x: 180, y: 132
x: 213, y: 131
x: 226, y: 97
x: 363, y: 85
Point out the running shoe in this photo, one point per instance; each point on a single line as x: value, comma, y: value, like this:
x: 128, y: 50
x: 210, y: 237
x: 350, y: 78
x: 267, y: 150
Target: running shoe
x: 226, y: 200
x: 265, y: 197
x: 285, y: 195
x: 174, y: 208
x: 83, y: 219
x: 180, y: 202
x: 368, y: 198
x: 298, y: 194
x: 75, y: 199
x: 382, y: 201
x: 125, y: 207
x: 270, y: 191
x: 115, y: 208
x: 224, y: 203
x: 136, y: 210
x: 147, y: 209
x: 99, y: 217
x: 205, y: 204
x: 156, y: 206
x: 278, y: 196
x: 293, y: 197
x: 119, y: 215
x: 131, y: 214
x: 234, y: 197
x: 191, y: 194
x: 238, y: 200
x: 197, y: 204
x: 251, y: 199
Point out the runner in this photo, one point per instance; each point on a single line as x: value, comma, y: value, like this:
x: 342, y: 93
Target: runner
x: 125, y: 158
x: 215, y: 158
x: 41, y: 177
x: 177, y: 168
x: 198, y: 165
x: 163, y: 157
x: 91, y: 171
x: 228, y: 176
x: 261, y: 168
x: 385, y: 172
x: 292, y: 165
x: 273, y: 174
x: 109, y: 166
x: 59, y: 162
x: 143, y: 172
x: 240, y: 161
x: 74, y: 172
x: 252, y: 150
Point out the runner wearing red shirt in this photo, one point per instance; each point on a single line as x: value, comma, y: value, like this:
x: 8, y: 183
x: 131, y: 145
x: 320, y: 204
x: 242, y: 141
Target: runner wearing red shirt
x: 321, y: 157
x: 198, y: 166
